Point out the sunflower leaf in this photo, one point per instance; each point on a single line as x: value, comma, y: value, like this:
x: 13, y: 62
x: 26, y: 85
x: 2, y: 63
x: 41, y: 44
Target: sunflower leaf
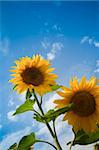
x: 28, y: 94
x: 44, y: 118
x: 27, y: 106
x: 48, y: 116
x: 55, y: 87
x: 13, y: 147
x: 53, y: 114
x: 27, y: 141
x: 38, y: 118
x: 82, y: 138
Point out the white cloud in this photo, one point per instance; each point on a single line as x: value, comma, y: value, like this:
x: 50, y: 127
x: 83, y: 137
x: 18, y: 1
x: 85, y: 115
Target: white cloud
x: 45, y: 44
x: 96, y: 44
x: 84, y: 39
x: 50, y: 56
x: 86, y: 147
x: 4, y: 46
x: 49, y: 103
x: 11, y: 102
x: 11, y: 117
x: 97, y: 70
x: 56, y: 27
x: 57, y: 46
x: 90, y: 41
x: 22, y: 97
x: 12, y: 138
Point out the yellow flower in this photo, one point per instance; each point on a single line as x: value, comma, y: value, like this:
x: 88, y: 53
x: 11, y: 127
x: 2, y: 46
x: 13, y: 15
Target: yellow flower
x: 33, y: 73
x: 85, y: 96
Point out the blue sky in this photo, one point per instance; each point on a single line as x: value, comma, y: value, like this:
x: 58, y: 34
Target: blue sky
x: 66, y: 33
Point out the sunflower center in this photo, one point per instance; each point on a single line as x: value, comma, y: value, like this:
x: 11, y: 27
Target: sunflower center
x: 84, y: 104
x: 32, y: 76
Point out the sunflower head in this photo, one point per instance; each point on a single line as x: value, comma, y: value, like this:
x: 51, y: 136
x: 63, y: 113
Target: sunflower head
x: 85, y: 97
x: 33, y: 73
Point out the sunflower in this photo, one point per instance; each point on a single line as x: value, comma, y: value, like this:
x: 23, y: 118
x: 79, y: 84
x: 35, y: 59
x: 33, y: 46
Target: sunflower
x: 33, y: 73
x: 85, y: 97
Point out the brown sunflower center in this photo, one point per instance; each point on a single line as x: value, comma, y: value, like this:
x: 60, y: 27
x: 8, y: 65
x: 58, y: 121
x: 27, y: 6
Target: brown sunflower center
x: 84, y: 104
x: 32, y: 76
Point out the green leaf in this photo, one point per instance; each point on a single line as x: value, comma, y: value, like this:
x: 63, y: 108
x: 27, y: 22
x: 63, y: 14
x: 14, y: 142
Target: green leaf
x: 82, y: 138
x: 46, y: 117
x: 55, y: 87
x: 49, y: 115
x: 28, y: 94
x: 52, y: 114
x: 13, y: 147
x: 27, y: 141
x: 38, y: 118
x: 93, y: 137
x: 27, y: 106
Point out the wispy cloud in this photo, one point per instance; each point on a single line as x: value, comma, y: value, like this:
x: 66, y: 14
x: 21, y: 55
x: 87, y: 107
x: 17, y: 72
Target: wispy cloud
x: 13, y: 138
x: 4, y: 45
x: 55, y: 48
x: 56, y: 27
x: 84, y: 39
x: 49, y: 102
x: 11, y: 117
x: 52, y: 27
x: 11, y: 101
x: 96, y: 44
x: 90, y: 41
x: 45, y: 44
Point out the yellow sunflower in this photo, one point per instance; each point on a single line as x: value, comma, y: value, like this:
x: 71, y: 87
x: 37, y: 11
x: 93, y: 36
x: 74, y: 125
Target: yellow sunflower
x: 33, y: 73
x: 85, y: 96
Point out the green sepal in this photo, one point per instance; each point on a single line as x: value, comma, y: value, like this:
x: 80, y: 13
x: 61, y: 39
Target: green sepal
x: 14, y: 88
x: 28, y: 94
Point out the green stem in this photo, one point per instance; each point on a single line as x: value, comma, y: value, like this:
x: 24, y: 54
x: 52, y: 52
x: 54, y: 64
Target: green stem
x: 56, y: 138
x: 47, y: 143
x: 41, y: 100
x: 47, y: 124
x: 37, y: 112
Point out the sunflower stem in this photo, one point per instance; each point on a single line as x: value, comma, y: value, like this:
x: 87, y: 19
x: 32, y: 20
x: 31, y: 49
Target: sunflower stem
x: 56, y: 138
x: 54, y: 135
x: 41, y: 100
x: 47, y: 124
x: 43, y: 141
